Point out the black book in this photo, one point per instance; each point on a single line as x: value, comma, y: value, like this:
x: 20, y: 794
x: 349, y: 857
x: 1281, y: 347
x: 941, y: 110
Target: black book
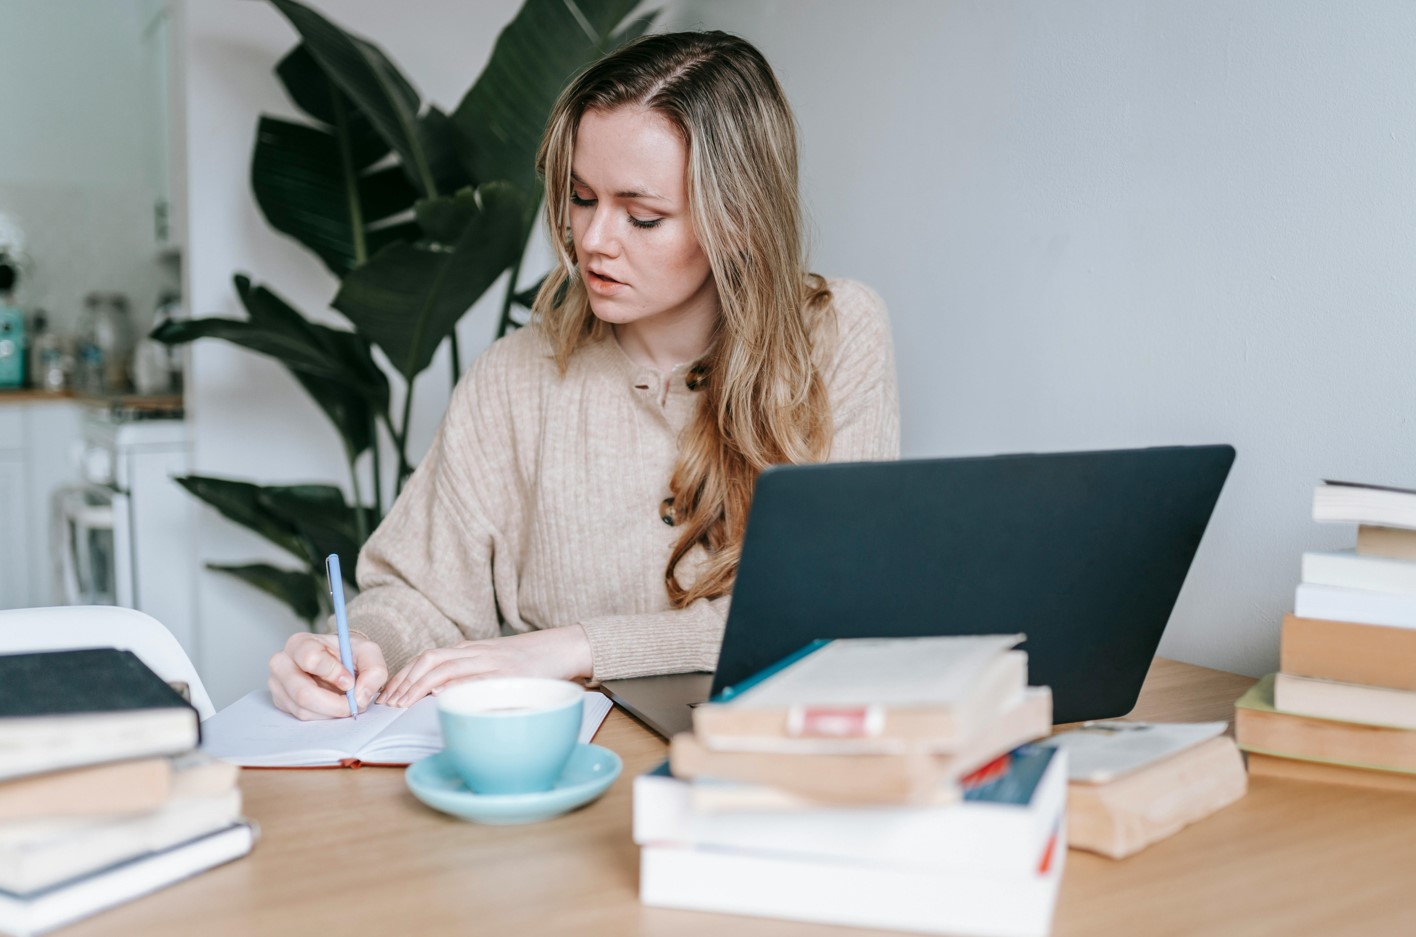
x: 63, y: 709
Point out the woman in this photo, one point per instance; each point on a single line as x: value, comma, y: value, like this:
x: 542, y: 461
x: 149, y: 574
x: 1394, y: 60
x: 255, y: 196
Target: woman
x: 581, y: 511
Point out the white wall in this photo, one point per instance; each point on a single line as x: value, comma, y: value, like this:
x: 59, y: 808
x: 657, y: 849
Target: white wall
x: 1107, y: 224
x: 77, y: 154
x: 249, y: 419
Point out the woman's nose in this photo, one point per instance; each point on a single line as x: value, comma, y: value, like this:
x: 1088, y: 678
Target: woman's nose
x: 599, y: 236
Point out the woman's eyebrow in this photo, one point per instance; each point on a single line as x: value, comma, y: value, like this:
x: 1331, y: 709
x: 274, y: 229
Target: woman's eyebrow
x: 624, y: 193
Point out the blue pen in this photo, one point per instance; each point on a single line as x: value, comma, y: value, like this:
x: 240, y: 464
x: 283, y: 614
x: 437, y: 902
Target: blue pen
x: 341, y: 621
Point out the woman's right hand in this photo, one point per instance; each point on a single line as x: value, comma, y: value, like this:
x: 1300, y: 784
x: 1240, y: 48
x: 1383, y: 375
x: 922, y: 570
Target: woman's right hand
x: 308, y: 681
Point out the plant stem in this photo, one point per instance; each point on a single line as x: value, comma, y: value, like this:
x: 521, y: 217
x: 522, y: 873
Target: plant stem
x: 361, y: 524
x: 378, y: 469
x: 404, y: 469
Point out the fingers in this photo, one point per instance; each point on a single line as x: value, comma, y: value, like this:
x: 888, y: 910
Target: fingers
x: 318, y: 655
x: 296, y: 692
x: 449, y: 671
x: 373, y: 673
x: 413, y: 672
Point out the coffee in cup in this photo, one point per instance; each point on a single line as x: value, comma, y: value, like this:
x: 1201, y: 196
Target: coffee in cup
x: 510, y: 735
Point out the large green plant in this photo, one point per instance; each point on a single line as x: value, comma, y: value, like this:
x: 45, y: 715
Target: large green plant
x: 418, y: 213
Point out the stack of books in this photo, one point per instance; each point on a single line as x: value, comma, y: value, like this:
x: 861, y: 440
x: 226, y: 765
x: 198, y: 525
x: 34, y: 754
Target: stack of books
x: 872, y: 782
x: 103, y: 795
x: 1343, y: 706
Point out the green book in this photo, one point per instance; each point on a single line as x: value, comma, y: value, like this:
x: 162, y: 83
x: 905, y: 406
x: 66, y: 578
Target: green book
x: 64, y: 709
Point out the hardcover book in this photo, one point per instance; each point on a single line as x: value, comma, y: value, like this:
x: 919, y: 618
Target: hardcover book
x: 64, y: 709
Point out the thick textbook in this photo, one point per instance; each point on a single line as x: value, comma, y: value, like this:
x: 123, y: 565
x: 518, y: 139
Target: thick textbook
x: 1006, y: 818
x: 81, y: 897
x: 1124, y: 816
x: 252, y: 733
x: 910, y: 777
x: 63, y: 709
x: 833, y: 892
x: 1349, y: 652
x: 1259, y: 727
x: 869, y: 695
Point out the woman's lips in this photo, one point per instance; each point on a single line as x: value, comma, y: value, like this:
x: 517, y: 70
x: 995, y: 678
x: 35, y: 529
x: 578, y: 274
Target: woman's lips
x: 601, y: 284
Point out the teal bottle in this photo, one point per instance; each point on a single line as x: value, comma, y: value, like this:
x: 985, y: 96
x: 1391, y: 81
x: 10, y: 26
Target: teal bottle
x: 12, y: 346
x: 12, y: 330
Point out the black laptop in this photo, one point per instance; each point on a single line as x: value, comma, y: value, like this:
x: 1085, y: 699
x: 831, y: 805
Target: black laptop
x: 1083, y: 552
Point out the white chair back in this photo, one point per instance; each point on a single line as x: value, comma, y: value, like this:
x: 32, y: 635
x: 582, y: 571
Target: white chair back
x: 74, y: 626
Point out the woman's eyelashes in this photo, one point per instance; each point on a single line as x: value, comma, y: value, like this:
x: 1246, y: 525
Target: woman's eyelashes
x: 581, y: 202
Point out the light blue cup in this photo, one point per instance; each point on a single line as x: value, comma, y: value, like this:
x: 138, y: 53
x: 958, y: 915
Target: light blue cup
x: 510, y: 735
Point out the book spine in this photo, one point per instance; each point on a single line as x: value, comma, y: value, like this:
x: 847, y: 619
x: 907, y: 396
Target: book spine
x: 841, y: 893
x: 1371, y: 608
x: 978, y: 836
x: 1349, y: 652
x: 1344, y: 702
x: 1347, y: 570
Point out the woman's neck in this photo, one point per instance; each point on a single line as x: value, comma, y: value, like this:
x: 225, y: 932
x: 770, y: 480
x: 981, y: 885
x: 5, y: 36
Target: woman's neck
x: 669, y: 339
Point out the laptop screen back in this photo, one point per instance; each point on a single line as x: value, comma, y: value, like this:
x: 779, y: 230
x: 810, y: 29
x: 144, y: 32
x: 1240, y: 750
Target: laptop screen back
x: 1083, y: 552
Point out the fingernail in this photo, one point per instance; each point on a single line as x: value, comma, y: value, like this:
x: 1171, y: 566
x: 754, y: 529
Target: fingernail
x: 346, y: 682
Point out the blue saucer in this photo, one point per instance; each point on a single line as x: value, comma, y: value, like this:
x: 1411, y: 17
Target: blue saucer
x: 589, y: 772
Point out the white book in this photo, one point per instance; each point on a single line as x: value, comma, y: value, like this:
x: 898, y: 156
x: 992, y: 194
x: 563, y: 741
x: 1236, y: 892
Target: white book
x: 1001, y: 827
x: 1344, y: 702
x: 1333, y: 603
x: 1353, y: 503
x: 827, y: 892
x: 1347, y: 569
x: 36, y: 854
x: 253, y: 733
x: 73, y: 900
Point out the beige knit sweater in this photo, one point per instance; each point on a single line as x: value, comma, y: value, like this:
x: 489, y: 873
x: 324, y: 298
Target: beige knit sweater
x: 538, y: 505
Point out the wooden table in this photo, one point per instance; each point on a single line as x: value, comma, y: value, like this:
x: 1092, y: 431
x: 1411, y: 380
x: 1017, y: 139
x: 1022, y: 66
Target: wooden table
x: 352, y: 853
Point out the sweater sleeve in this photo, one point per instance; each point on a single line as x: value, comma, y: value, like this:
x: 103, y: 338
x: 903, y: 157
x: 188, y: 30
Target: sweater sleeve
x: 860, y: 376
x: 425, y: 575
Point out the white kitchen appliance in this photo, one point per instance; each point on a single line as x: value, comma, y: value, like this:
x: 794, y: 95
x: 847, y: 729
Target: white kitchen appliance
x: 127, y: 533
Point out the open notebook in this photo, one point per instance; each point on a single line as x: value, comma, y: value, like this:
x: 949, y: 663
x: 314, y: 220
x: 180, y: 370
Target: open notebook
x: 252, y: 733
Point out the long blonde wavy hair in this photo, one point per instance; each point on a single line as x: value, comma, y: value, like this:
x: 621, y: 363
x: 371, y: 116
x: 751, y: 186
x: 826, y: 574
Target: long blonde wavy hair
x: 764, y: 402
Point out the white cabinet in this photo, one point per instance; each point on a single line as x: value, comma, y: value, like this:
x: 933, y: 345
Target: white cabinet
x: 38, y: 439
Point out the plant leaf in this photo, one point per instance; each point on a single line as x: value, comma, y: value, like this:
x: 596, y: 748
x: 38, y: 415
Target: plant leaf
x: 300, y: 590
x: 310, y: 89
x: 322, y: 518
x: 240, y: 502
x: 308, y: 189
x: 362, y: 71
x: 409, y: 297
x: 502, y: 117
x: 335, y: 367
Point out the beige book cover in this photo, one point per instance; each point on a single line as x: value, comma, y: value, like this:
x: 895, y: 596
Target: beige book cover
x: 1259, y: 727
x: 1350, y: 652
x: 914, y: 777
x: 1295, y: 769
x: 1391, y: 542
x: 1123, y: 817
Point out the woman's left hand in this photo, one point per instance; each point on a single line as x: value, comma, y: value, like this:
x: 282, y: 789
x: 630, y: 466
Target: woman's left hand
x: 559, y: 653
